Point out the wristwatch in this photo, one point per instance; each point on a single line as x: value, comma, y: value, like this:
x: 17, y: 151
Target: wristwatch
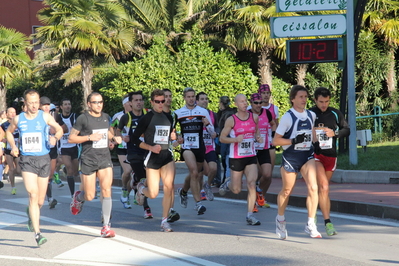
x: 336, y: 133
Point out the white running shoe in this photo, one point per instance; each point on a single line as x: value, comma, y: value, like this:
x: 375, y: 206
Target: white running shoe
x: 224, y: 187
x: 281, y: 230
x: 312, y: 231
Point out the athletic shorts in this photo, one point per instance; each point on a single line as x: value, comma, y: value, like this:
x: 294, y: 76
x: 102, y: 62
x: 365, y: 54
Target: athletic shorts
x: 121, y: 151
x: 329, y: 163
x: 39, y: 165
x: 90, y: 165
x: 210, y: 157
x: 71, y: 152
x: 53, y: 153
x: 199, y: 154
x: 8, y: 152
x: 239, y: 164
x: 263, y: 156
x: 293, y: 161
x: 156, y: 161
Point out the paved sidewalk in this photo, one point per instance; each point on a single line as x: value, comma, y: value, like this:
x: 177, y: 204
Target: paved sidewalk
x: 369, y: 199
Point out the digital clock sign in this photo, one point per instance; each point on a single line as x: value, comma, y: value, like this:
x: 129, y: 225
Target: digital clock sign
x: 314, y: 51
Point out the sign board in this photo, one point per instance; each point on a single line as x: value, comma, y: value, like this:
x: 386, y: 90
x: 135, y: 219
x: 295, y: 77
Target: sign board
x: 305, y: 26
x: 309, y: 5
x: 314, y: 51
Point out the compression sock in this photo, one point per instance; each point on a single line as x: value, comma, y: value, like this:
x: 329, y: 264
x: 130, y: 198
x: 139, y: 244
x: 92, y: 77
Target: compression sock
x: 106, y: 208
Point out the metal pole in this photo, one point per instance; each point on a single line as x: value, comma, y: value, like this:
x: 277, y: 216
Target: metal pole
x: 350, y: 33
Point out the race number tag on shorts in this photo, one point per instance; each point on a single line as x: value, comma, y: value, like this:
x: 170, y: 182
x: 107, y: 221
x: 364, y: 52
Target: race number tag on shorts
x: 245, y: 147
x: 103, y: 142
x: 191, y: 140
x: 325, y: 142
x: 32, y: 142
x: 207, y: 138
x: 161, y: 134
x: 260, y: 146
x: 307, y: 143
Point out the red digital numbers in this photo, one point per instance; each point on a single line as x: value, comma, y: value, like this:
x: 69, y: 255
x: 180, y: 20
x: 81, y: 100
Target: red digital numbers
x: 307, y: 51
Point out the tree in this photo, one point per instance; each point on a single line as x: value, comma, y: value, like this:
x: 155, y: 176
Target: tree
x: 381, y: 18
x: 14, y: 59
x: 86, y: 30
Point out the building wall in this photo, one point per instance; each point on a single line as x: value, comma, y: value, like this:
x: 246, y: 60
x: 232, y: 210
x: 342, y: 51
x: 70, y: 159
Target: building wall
x: 20, y: 14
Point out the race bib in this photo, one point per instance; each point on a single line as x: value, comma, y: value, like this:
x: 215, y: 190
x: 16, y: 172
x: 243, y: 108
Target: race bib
x: 260, y: 146
x: 307, y: 143
x: 191, y: 140
x: 245, y: 147
x: 32, y: 142
x: 103, y: 142
x: 207, y: 138
x: 325, y: 142
x: 161, y: 134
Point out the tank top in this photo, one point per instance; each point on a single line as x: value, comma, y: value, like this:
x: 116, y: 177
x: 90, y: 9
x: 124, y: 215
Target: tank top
x: 264, y: 129
x: 246, y: 148
x: 33, y: 135
x: 208, y: 140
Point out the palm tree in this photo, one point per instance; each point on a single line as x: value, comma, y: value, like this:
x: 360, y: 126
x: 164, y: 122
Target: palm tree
x: 246, y: 26
x: 14, y: 59
x: 86, y: 30
x: 381, y: 17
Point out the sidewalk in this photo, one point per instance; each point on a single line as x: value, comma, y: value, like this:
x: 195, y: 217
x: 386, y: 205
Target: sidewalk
x: 368, y: 199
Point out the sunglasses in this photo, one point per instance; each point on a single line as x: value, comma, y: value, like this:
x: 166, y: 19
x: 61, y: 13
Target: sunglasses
x: 158, y: 101
x: 97, y: 102
x: 257, y: 102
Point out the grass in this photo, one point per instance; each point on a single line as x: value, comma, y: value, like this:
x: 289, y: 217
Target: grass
x: 377, y: 157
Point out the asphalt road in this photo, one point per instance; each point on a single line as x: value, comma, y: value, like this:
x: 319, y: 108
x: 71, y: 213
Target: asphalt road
x: 219, y: 237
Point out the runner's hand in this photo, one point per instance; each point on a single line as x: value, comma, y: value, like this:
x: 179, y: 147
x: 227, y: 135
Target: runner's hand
x: 298, y: 139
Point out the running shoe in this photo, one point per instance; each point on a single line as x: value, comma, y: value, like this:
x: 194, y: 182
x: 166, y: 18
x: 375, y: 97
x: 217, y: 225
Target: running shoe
x: 208, y: 192
x: 147, y: 214
x: 52, y: 203
x: 165, y: 227
x: 139, y: 195
x: 76, y: 206
x: 30, y: 225
x: 173, y: 216
x: 281, y: 230
x: 251, y: 220
x: 203, y: 195
x: 1, y: 184
x: 255, y: 210
x: 224, y: 187
x: 126, y: 204
x: 330, y: 230
x: 260, y: 200
x: 107, y: 232
x: 200, y: 209
x: 183, y: 198
x: 40, y: 240
x: 57, y: 180
x: 266, y: 205
x: 312, y: 231
x: 13, y: 191
x: 124, y: 195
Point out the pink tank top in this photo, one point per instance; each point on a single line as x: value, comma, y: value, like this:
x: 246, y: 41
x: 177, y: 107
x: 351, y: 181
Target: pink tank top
x: 208, y: 140
x: 264, y: 129
x: 246, y: 148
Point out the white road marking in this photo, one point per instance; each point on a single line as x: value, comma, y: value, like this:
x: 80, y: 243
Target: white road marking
x: 115, y: 251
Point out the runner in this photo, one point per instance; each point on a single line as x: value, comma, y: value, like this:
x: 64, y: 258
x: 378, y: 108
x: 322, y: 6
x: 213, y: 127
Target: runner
x: 193, y: 119
x: 93, y: 129
x: 331, y: 125
x: 210, y: 166
x: 157, y: 129
x: 296, y: 133
x: 35, y: 159
x: 262, y: 149
x: 135, y: 155
x: 69, y: 151
x: 121, y: 151
x: 241, y: 131
x: 12, y: 162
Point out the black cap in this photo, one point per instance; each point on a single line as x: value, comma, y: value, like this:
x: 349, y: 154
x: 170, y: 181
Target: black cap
x: 44, y: 100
